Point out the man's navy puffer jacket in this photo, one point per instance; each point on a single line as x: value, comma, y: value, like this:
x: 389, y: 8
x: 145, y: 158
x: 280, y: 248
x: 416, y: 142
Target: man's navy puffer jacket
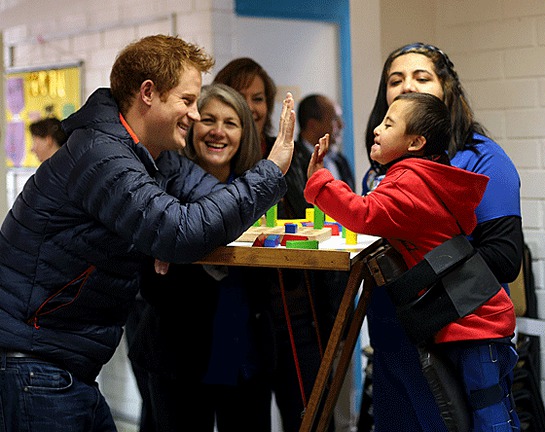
x: 72, y: 245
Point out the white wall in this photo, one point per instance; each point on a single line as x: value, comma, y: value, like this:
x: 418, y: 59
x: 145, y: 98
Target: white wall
x: 497, y: 46
x: 365, y: 29
x: 300, y: 56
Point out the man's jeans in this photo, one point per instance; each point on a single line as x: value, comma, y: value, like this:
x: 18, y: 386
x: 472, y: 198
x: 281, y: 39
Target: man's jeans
x: 38, y: 396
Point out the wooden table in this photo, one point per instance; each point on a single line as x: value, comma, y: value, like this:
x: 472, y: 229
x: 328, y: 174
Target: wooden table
x: 334, y: 254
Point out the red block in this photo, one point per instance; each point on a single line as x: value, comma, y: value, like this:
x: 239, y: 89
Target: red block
x: 287, y: 237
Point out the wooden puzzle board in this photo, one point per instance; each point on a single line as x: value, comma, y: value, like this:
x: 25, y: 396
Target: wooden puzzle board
x: 313, y: 234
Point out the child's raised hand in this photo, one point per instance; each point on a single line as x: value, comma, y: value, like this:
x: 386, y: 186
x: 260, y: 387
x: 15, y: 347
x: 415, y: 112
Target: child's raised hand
x: 317, y: 159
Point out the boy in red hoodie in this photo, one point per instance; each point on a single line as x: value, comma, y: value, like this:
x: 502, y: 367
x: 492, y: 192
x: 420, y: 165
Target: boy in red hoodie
x: 423, y: 202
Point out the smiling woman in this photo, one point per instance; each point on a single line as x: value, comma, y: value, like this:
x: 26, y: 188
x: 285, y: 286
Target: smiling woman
x: 258, y: 89
x: 225, y: 141
x: 229, y: 383
x: 217, y: 138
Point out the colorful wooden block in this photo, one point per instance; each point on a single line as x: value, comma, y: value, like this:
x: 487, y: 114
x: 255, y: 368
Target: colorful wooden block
x: 259, y: 241
x: 272, y: 240
x: 290, y: 228
x: 313, y: 234
x: 336, y: 227
x: 290, y: 237
x: 271, y: 216
x: 302, y: 244
x: 319, y: 218
x: 351, y: 237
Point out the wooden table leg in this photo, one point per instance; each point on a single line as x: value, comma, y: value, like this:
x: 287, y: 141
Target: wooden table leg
x: 343, y: 316
x: 339, y: 374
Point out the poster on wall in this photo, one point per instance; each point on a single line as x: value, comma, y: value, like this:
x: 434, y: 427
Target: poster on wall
x: 33, y: 94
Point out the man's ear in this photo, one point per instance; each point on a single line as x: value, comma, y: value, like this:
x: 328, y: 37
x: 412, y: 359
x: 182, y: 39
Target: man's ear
x: 417, y: 144
x: 147, y: 90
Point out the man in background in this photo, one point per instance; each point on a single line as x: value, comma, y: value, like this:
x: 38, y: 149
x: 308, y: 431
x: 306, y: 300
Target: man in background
x: 318, y: 290
x: 317, y: 115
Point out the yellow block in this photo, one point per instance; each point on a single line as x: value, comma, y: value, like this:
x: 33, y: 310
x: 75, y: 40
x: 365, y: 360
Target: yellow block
x: 351, y: 237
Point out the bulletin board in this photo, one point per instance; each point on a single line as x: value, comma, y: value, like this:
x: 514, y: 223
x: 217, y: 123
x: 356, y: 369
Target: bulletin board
x: 32, y: 94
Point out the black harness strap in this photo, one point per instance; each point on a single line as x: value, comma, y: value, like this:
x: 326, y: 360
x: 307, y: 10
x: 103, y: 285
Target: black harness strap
x: 446, y: 387
x: 449, y: 283
x: 482, y: 398
x: 429, y: 271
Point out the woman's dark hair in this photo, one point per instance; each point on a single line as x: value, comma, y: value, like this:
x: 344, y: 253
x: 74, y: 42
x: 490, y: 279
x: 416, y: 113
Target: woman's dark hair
x: 239, y: 73
x: 50, y: 126
x: 461, y: 115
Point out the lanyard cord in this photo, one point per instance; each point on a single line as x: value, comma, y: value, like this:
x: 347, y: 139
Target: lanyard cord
x: 290, y: 329
x: 292, y: 339
x: 314, y: 314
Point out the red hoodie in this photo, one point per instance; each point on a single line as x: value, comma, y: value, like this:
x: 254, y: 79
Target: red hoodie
x: 418, y: 205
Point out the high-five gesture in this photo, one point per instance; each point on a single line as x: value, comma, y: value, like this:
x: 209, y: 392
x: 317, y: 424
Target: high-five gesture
x: 281, y: 153
x: 317, y: 159
x: 282, y: 150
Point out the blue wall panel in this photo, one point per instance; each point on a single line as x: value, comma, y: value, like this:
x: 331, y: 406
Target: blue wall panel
x: 332, y: 11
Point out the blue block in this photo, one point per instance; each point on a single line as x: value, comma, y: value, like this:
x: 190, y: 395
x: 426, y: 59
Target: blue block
x: 290, y: 228
x: 272, y: 240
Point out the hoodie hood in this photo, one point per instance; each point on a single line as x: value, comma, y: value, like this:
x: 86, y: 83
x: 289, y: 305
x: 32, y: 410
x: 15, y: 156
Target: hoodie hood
x: 450, y: 184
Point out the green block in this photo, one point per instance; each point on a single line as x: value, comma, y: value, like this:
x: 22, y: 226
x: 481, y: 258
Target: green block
x: 302, y: 244
x: 271, y: 216
x: 319, y: 218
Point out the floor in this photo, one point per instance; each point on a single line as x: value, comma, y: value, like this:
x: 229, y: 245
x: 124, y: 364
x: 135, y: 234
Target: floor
x: 345, y: 418
x: 123, y: 426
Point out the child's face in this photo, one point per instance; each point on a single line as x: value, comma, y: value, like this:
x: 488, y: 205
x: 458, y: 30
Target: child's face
x: 391, y: 142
